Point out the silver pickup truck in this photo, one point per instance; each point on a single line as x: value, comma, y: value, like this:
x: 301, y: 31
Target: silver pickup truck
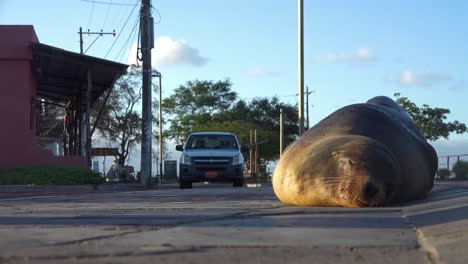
x: 211, y: 156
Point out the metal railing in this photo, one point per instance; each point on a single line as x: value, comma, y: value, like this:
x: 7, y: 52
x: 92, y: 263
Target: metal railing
x: 449, y: 161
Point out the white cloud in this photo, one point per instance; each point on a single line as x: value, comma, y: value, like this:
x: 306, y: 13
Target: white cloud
x: 408, y: 78
x: 260, y: 72
x: 167, y: 51
x: 428, y: 78
x: 360, y: 55
x: 364, y: 54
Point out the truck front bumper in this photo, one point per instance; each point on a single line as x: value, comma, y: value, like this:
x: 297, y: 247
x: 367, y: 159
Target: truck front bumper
x: 190, y: 173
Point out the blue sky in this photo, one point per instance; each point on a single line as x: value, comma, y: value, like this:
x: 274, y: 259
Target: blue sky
x: 354, y: 50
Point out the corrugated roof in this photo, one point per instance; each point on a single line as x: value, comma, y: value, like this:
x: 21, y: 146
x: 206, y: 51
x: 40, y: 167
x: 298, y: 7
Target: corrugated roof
x: 62, y: 74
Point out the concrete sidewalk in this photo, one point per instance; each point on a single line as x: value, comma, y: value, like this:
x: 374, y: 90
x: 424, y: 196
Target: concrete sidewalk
x: 115, y: 186
x: 72, y: 188
x: 218, y: 223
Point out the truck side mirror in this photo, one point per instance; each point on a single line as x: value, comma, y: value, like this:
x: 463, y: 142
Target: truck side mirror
x: 179, y: 147
x: 245, y: 148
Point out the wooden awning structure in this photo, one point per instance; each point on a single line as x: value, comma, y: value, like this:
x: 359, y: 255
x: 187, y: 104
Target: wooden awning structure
x: 74, y: 81
x: 61, y: 74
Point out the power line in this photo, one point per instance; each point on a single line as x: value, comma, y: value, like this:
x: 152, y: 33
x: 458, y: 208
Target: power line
x: 138, y: 50
x: 125, y: 24
x: 118, y: 15
x: 107, y: 15
x: 124, y: 47
x: 122, y: 15
x: 90, y: 16
x: 133, y: 40
x: 108, y: 3
x: 159, y: 15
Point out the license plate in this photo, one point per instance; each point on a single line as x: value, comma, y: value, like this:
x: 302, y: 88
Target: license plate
x: 211, y: 174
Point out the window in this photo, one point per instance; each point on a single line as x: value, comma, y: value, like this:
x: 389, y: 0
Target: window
x: 212, y: 142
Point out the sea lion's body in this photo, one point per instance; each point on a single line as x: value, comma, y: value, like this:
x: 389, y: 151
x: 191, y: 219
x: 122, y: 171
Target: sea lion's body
x: 368, y: 154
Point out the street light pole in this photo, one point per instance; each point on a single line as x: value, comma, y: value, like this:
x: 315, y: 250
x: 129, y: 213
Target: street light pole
x: 160, y: 137
x: 301, y: 66
x: 160, y: 128
x: 281, y: 131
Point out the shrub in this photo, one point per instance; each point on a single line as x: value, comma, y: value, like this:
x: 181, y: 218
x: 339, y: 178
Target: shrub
x: 443, y: 174
x: 460, y: 168
x: 49, y: 175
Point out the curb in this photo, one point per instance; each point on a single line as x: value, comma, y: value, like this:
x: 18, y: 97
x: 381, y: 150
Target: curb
x: 72, y: 188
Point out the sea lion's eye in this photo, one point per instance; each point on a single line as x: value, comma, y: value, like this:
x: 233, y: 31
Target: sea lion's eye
x: 348, y: 162
x: 336, y: 153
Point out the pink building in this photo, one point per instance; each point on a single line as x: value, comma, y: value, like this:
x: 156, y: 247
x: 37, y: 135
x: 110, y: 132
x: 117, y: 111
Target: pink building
x: 31, y: 72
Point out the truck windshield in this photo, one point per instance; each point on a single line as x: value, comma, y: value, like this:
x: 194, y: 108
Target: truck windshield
x: 212, y: 142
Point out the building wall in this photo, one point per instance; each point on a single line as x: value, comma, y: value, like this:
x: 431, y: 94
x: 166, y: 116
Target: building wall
x: 18, y: 143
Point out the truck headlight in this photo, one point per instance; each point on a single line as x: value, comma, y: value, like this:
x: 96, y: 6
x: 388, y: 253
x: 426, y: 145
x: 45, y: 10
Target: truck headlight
x: 237, y: 159
x: 186, y: 160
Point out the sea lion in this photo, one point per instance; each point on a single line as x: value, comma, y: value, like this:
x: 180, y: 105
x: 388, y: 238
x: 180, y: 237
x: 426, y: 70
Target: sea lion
x: 362, y: 155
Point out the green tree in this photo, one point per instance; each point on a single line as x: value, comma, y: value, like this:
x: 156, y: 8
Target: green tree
x: 213, y: 106
x: 443, y: 173
x: 120, y: 122
x: 195, y: 103
x: 239, y: 127
x: 460, y: 168
x: 262, y: 114
x: 431, y: 121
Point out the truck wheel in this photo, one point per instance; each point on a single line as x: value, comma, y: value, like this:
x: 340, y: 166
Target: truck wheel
x: 238, y: 183
x: 185, y: 185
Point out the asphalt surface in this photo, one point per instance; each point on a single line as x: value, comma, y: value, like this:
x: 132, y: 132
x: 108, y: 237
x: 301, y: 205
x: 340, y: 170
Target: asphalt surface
x: 217, y: 223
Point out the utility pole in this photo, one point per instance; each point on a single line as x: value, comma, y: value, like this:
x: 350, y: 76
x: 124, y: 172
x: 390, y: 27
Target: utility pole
x: 281, y: 132
x: 87, y: 124
x: 301, y: 65
x: 146, y: 46
x: 256, y: 152
x: 81, y: 40
x: 251, y: 154
x: 87, y: 132
x: 307, y: 106
x: 100, y: 33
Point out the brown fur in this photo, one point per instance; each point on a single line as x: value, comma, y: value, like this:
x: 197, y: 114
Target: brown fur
x: 362, y: 155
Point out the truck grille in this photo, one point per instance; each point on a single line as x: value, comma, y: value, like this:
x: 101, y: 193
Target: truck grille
x: 211, y: 163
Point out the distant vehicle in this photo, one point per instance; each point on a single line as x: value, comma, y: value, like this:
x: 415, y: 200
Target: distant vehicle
x: 211, y: 156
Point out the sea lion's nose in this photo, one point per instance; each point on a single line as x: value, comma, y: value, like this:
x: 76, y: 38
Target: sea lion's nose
x: 370, y: 190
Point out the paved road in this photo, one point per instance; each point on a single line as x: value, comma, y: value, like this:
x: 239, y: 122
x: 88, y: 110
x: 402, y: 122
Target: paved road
x: 220, y: 224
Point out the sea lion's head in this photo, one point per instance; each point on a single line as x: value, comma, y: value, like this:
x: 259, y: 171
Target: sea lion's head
x: 350, y: 171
